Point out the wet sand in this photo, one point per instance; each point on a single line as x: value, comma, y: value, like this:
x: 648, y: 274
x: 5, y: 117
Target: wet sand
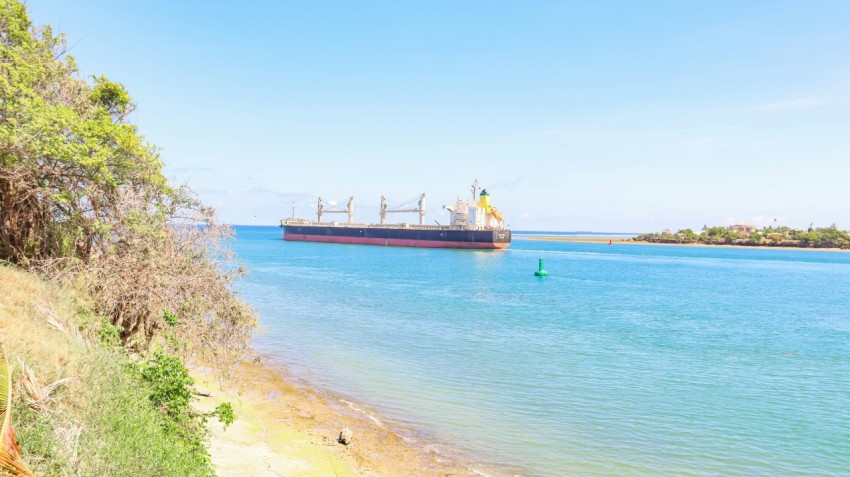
x: 284, y: 428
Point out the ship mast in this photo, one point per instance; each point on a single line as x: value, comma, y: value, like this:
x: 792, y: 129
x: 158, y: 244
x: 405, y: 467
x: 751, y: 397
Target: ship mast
x: 319, y: 211
x: 383, y: 210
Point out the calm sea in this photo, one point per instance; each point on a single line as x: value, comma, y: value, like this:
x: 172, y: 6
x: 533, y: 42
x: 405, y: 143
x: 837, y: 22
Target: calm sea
x: 628, y: 360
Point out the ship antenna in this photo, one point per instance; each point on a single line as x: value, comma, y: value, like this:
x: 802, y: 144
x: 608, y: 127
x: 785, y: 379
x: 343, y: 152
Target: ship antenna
x: 475, y: 190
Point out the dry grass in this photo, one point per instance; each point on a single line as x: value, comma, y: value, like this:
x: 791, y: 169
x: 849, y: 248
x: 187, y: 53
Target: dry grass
x: 27, y: 308
x: 41, y: 354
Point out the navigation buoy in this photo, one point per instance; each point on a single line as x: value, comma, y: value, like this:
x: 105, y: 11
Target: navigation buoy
x: 540, y: 272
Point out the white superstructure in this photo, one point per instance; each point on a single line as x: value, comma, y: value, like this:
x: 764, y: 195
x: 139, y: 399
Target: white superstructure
x: 477, y: 213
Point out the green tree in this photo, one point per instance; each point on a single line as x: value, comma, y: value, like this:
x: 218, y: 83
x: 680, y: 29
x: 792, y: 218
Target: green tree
x: 66, y: 151
x: 688, y: 235
x: 83, y: 196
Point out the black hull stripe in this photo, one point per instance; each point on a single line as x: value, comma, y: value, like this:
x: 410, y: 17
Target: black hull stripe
x: 483, y: 236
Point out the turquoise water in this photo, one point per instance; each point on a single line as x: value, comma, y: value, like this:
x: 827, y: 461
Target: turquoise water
x: 626, y: 361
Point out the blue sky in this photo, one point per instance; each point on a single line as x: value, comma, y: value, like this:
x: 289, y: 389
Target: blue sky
x: 594, y: 115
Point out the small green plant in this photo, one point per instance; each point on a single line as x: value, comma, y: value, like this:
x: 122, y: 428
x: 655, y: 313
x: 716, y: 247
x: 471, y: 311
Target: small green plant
x: 110, y: 334
x: 171, y: 392
x: 170, y: 383
x: 224, y: 413
x: 170, y: 318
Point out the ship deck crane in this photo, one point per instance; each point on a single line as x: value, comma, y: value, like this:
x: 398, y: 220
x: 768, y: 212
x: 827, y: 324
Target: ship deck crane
x: 320, y: 210
x: 420, y: 209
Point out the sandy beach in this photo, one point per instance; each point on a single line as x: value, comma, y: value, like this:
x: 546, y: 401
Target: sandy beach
x: 284, y: 428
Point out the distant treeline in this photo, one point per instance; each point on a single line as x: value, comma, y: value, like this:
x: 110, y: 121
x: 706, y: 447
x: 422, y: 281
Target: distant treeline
x: 776, y: 236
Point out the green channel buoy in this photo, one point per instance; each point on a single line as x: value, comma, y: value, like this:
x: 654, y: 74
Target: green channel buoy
x: 540, y: 272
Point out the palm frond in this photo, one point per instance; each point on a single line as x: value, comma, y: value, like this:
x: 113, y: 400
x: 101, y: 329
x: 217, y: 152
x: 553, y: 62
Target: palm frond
x: 58, y: 323
x: 7, y: 441
x: 10, y: 452
x: 39, y: 396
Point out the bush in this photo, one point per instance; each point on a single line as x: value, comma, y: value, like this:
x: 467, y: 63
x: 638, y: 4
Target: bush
x: 170, y: 391
x: 225, y: 414
x: 170, y: 383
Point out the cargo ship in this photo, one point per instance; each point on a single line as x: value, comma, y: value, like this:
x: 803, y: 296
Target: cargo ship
x: 473, y: 224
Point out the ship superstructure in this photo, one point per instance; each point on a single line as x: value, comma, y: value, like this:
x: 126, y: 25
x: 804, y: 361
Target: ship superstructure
x: 472, y: 224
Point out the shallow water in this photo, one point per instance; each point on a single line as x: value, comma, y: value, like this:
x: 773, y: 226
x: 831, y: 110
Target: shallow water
x: 628, y: 360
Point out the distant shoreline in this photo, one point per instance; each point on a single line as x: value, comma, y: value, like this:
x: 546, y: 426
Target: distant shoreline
x: 619, y: 240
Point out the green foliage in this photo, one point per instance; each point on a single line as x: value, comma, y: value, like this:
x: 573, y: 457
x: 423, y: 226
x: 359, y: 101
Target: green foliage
x: 65, y: 148
x: 170, y: 391
x: 687, y: 235
x: 829, y: 237
x: 112, y: 428
x: 224, y: 413
x: 170, y: 318
x: 170, y: 383
x: 110, y: 334
x: 35, y: 434
x: 716, y: 235
x: 111, y: 96
x: 127, y: 431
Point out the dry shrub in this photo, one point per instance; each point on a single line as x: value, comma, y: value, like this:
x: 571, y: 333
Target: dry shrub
x: 174, y: 258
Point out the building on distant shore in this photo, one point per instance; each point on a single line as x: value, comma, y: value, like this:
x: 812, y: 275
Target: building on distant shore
x: 743, y: 230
